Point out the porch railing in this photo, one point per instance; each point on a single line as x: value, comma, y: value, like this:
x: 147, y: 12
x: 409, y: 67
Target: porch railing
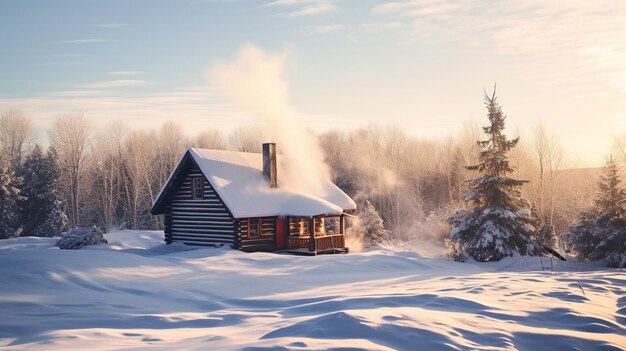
x: 322, y: 242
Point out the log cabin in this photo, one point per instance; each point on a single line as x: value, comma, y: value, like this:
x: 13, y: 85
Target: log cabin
x: 216, y: 197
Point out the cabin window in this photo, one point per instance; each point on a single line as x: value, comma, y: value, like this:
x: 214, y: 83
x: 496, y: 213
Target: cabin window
x: 253, y: 228
x: 260, y: 228
x: 294, y: 226
x: 197, y: 188
x: 319, y: 225
x: 301, y: 226
x: 304, y: 226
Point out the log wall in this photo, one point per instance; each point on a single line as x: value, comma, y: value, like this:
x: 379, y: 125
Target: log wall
x: 198, y: 221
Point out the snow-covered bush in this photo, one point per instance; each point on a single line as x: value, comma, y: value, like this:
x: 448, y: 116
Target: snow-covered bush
x: 616, y: 260
x: 455, y: 253
x: 371, y: 226
x: 80, y: 237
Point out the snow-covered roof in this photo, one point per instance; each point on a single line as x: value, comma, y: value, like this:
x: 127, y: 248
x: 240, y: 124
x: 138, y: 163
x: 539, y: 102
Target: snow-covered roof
x: 238, y: 179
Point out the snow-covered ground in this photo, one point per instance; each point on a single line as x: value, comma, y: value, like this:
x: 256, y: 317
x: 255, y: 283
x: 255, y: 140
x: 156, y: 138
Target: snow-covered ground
x: 137, y: 293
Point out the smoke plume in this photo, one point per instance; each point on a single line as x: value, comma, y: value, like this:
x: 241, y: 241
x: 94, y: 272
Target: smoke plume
x: 255, y: 80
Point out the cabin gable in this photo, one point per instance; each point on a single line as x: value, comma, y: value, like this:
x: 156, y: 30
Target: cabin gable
x: 194, y: 213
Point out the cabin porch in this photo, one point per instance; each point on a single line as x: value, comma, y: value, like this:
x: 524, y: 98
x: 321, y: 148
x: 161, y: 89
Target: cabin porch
x: 313, y: 236
x: 293, y: 234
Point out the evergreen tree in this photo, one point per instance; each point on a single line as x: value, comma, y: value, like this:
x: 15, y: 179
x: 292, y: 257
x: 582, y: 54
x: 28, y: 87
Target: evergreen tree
x: 499, y: 221
x: 9, y: 196
x: 601, y: 230
x: 372, y: 226
x: 41, y: 211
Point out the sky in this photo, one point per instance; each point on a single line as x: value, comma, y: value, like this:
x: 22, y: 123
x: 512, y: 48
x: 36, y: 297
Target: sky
x: 421, y: 65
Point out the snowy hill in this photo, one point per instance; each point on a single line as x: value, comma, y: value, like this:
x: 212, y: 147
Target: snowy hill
x: 136, y: 292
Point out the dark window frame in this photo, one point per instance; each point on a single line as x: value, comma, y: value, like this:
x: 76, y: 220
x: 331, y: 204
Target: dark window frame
x: 258, y: 226
x: 195, y: 188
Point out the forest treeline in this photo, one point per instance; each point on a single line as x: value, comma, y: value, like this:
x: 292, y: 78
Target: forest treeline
x: 108, y: 177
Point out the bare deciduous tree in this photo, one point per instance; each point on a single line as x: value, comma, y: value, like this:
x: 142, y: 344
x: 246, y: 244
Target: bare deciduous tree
x: 16, y: 137
x: 541, y: 154
x: 140, y: 172
x: 548, y: 156
x: 70, y: 140
x: 171, y: 143
x: 108, y: 172
x: 246, y: 139
x: 210, y: 139
x: 620, y: 147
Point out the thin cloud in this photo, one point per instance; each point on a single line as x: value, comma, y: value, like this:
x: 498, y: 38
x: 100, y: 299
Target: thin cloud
x: 324, y: 29
x: 195, y: 108
x: 124, y: 73
x: 560, y: 39
x: 115, y: 84
x: 390, y: 7
x: 378, y: 27
x: 73, y: 93
x: 302, y: 8
x: 81, y: 41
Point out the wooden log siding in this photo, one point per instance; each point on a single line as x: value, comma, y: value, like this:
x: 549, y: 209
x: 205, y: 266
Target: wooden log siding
x: 199, y: 221
x: 265, y: 242
x: 167, y: 224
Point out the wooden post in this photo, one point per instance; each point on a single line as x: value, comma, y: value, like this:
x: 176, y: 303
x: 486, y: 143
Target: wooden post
x: 311, y: 234
x: 287, y: 230
x: 342, y: 224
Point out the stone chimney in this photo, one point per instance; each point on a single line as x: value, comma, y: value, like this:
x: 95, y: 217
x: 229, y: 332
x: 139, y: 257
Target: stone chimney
x: 269, y: 164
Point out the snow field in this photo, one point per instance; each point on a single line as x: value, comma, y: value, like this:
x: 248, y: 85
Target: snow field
x: 136, y: 293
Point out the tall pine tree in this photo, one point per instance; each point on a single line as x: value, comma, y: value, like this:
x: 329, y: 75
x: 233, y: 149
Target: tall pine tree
x: 41, y: 211
x: 9, y: 196
x: 499, y: 221
x: 601, y: 230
